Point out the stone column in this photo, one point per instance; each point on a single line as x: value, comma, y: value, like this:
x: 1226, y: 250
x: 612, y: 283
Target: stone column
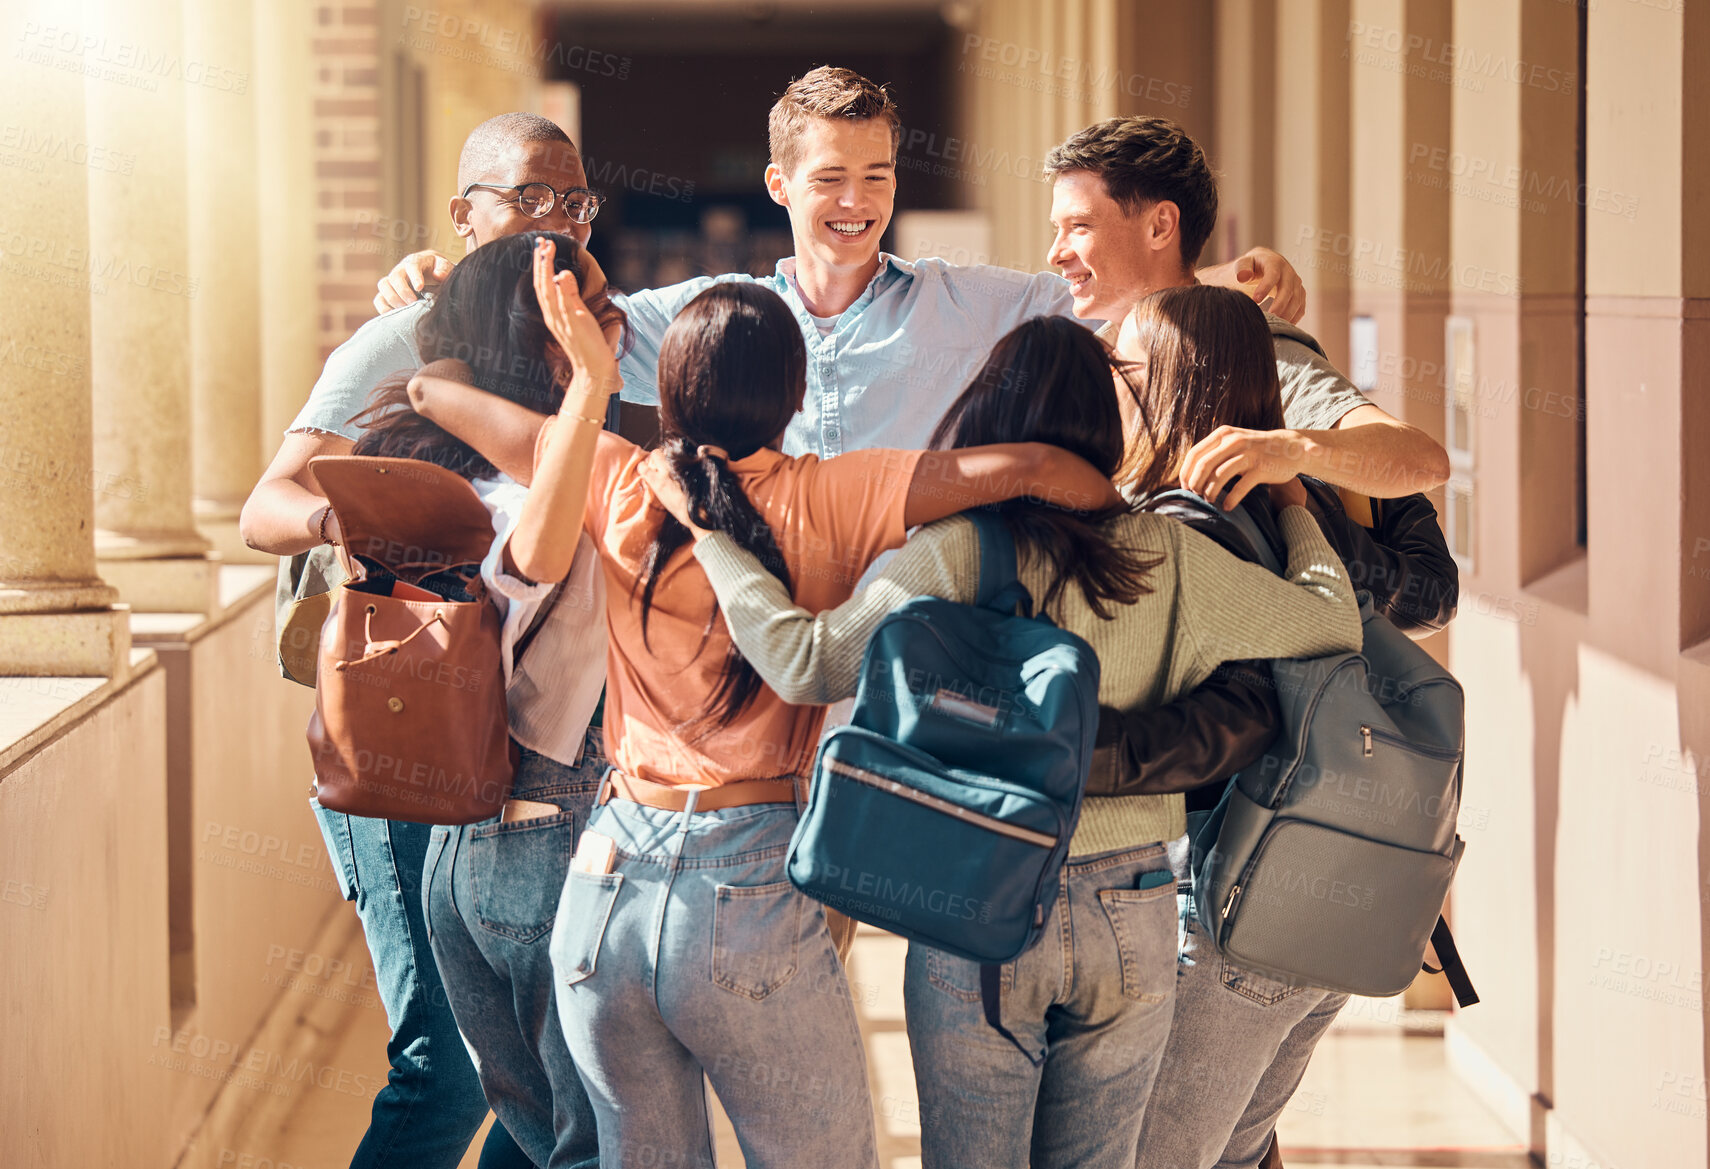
x: 285, y: 99
x: 1397, y: 251
x: 146, y: 537
x: 225, y: 265
x: 57, y: 617
x: 1310, y: 207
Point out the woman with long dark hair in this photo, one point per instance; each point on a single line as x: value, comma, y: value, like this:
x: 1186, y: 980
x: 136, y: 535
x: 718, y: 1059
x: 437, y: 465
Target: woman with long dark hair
x: 492, y: 888
x: 1163, y: 607
x: 1241, y: 1039
x: 681, y: 950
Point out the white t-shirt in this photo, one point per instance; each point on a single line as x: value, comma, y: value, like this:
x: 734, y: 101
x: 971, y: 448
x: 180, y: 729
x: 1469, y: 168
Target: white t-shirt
x: 553, y: 695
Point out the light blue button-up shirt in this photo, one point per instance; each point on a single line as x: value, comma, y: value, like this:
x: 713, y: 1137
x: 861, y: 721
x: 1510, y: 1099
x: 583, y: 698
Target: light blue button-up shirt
x: 896, y: 358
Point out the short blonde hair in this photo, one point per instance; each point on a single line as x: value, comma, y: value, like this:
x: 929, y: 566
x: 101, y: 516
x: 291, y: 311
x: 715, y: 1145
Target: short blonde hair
x: 827, y: 92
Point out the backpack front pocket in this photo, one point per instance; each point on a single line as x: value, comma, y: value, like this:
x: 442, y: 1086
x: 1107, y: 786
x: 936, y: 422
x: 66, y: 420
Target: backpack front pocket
x: 1335, y: 910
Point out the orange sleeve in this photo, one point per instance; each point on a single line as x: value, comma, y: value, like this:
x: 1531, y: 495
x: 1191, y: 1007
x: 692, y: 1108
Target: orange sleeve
x: 612, y: 455
x: 858, y: 500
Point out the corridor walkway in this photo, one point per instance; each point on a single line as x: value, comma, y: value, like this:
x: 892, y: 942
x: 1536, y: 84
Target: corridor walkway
x: 1378, y: 1093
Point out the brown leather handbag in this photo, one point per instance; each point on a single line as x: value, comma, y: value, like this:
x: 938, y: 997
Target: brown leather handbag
x: 410, y: 720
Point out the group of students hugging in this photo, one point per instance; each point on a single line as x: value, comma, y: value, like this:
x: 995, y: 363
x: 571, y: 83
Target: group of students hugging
x: 711, y: 589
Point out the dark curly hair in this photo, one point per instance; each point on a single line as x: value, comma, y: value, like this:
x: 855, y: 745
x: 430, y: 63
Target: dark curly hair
x: 487, y: 317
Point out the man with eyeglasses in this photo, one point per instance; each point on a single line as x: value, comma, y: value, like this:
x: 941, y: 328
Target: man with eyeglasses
x: 517, y: 173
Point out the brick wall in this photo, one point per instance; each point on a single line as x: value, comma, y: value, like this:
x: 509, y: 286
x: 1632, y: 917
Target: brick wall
x: 348, y: 170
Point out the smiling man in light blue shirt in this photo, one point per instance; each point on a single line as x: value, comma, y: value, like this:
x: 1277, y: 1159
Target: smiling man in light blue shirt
x: 890, y: 342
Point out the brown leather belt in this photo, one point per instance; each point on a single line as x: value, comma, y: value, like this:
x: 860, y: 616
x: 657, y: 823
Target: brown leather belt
x: 710, y: 799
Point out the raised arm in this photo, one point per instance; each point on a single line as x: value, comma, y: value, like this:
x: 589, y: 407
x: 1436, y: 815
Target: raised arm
x: 543, y: 544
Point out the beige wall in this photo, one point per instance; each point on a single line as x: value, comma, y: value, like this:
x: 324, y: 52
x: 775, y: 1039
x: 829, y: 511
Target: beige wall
x: 1031, y: 74
x: 117, y: 1074
x: 83, y: 868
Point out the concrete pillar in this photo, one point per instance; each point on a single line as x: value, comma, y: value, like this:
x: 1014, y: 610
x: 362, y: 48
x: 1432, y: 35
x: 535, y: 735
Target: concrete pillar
x: 146, y: 537
x: 1397, y: 256
x: 1246, y: 145
x: 1310, y: 124
x: 225, y: 265
x: 57, y: 617
x: 290, y: 342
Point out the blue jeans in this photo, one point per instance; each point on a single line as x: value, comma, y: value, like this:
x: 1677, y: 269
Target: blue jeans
x: 696, y: 955
x: 1237, y: 1051
x: 493, y: 889
x: 431, y: 1106
x: 1094, y: 994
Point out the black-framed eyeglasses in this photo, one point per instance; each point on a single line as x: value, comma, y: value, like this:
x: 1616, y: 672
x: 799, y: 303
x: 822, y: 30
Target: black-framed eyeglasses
x: 536, y: 200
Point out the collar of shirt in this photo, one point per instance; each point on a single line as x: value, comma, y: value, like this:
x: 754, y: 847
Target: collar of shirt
x: 891, y: 269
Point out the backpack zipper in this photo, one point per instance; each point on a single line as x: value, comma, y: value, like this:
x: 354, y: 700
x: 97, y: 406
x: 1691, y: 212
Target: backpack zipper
x: 978, y: 819
x: 1405, y: 744
x: 1366, y: 738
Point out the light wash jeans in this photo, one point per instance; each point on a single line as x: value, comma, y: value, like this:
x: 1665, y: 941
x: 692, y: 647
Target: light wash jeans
x: 694, y: 955
x: 1094, y: 994
x: 1238, y: 1048
x: 431, y: 1105
x: 492, y: 893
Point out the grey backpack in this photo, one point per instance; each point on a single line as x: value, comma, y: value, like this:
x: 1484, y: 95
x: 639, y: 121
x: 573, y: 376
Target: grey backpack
x: 1328, y: 860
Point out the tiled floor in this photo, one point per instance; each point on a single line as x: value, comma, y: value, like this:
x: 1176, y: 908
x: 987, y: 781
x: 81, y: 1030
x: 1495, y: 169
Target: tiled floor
x: 1378, y: 1093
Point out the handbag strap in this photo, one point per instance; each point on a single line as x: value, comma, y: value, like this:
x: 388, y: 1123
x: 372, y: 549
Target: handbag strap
x: 1000, y: 587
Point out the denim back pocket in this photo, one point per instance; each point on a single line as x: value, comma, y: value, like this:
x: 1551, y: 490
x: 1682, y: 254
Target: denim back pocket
x: 757, y: 933
x: 1259, y: 988
x: 957, y: 977
x: 1144, y: 921
x: 580, y: 931
x: 516, y: 872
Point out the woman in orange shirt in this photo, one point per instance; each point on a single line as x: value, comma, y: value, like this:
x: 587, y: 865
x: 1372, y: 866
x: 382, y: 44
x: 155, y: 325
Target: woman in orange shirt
x: 679, y: 946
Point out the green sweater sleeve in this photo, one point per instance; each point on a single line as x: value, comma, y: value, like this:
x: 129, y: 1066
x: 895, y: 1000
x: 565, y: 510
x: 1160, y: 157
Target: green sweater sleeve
x: 1232, y: 610
x: 815, y: 658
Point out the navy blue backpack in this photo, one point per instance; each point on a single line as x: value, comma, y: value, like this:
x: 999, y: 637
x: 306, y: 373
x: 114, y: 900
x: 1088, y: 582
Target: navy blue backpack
x: 943, y: 811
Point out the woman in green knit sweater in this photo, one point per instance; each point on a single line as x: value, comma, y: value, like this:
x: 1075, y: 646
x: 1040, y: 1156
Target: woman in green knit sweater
x: 1163, y: 606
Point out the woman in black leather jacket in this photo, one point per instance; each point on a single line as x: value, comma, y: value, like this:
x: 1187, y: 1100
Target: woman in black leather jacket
x: 1194, y: 743
x: 1240, y: 1040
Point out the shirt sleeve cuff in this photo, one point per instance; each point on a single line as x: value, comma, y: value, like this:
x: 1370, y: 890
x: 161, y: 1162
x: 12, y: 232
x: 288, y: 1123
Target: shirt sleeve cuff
x: 511, y: 587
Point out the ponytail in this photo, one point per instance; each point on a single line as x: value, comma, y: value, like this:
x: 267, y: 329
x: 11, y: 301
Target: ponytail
x: 732, y: 373
x: 717, y: 503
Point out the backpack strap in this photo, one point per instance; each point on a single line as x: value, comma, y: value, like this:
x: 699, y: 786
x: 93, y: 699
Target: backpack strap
x: 1000, y: 587
x: 991, y: 999
x: 1453, y: 968
x: 1240, y: 518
